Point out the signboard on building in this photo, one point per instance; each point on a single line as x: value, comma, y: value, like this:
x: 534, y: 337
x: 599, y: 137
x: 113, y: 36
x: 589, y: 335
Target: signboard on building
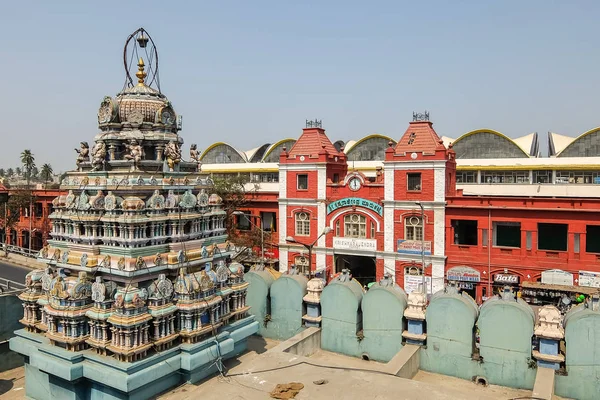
x: 413, y: 247
x: 588, y: 278
x: 506, y: 278
x: 412, y: 283
x: 557, y: 277
x: 463, y: 274
x: 354, y: 201
x: 343, y: 243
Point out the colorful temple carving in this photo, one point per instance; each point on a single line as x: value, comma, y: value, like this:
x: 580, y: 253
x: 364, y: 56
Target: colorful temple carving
x: 138, y: 259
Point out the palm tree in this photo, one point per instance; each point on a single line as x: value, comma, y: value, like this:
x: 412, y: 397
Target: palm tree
x: 18, y: 171
x: 10, y: 172
x: 28, y: 163
x: 46, y: 173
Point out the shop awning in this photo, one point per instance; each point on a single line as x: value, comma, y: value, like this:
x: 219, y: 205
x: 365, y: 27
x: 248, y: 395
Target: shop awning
x: 588, y: 291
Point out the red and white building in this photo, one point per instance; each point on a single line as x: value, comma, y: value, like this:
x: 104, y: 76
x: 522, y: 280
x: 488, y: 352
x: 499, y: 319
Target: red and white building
x: 494, y: 211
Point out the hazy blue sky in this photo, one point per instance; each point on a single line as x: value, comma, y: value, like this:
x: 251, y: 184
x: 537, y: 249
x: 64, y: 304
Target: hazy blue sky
x: 251, y: 72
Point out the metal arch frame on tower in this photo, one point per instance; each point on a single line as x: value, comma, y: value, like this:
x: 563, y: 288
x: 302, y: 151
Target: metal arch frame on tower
x: 152, y: 68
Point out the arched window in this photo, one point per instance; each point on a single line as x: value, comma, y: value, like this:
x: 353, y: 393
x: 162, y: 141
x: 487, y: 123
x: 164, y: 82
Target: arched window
x: 355, y: 225
x: 412, y: 270
x: 301, y: 261
x: 413, y: 228
x: 302, y: 224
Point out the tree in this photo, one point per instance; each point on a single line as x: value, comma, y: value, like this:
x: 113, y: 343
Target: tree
x: 35, y: 173
x: 17, y: 201
x: 236, y: 192
x: 46, y: 174
x: 9, y: 172
x: 28, y: 162
x: 18, y: 171
x: 2, y: 172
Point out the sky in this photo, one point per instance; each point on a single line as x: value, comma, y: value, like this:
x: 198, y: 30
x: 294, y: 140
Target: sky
x: 251, y: 72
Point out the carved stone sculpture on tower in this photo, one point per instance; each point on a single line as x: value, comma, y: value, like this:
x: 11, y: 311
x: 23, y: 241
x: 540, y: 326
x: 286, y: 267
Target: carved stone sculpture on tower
x: 83, y: 153
x: 195, y: 155
x: 135, y: 152
x: 98, y: 156
x: 173, y: 155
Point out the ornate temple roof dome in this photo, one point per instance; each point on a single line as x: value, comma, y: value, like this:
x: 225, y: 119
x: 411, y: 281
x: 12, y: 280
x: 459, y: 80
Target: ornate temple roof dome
x: 138, y: 104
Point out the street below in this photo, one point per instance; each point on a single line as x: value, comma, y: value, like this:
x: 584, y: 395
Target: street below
x: 13, y: 272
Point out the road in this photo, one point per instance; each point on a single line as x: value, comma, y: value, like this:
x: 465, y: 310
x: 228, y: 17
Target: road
x: 13, y: 272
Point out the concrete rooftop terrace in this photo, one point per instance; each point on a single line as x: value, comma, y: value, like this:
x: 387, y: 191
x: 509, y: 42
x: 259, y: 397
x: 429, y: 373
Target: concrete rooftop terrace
x: 245, y: 381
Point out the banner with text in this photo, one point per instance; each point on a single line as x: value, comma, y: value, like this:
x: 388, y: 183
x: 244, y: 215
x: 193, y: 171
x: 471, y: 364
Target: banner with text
x: 354, y: 201
x: 414, y: 247
x: 412, y: 283
x: 342, y: 243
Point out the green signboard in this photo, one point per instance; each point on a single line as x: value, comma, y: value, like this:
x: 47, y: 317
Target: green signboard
x: 355, y: 201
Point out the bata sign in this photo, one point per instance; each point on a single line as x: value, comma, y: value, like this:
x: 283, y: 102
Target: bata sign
x: 342, y: 243
x: 506, y: 278
x: 413, y: 247
x: 463, y: 274
x: 354, y: 201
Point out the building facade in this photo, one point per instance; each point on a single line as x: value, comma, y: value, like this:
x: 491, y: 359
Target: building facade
x: 33, y: 220
x: 494, y: 213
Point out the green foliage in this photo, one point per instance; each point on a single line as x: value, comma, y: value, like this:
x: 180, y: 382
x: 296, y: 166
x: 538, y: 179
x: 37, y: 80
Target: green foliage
x: 10, y: 172
x: 28, y: 162
x: 46, y: 173
x: 233, y: 191
x: 2, y: 172
x: 17, y: 200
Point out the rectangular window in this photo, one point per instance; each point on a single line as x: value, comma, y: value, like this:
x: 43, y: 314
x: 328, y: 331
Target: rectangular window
x: 466, y: 177
x: 592, y: 238
x: 337, y: 228
x: 528, y: 240
x: 542, y: 176
x: 38, y: 210
x: 302, y: 182
x: 372, y: 230
x: 336, y: 178
x: 576, y: 243
x: 265, y: 177
x: 269, y: 223
x: 243, y: 221
x: 414, y: 182
x: 552, y: 237
x: 302, y: 224
x: 507, y: 234
x: 465, y: 232
x: 484, y: 237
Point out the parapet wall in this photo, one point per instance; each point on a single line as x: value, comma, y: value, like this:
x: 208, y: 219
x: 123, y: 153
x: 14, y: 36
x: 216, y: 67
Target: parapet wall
x: 495, y: 342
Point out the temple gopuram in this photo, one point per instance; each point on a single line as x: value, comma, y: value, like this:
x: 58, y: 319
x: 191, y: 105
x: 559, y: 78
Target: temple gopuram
x: 139, y: 293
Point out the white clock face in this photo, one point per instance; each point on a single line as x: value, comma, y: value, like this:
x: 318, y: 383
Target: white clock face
x: 354, y: 184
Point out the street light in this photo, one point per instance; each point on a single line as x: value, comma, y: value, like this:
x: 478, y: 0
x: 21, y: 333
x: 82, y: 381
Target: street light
x: 262, y: 232
x: 309, y: 247
x: 423, y: 247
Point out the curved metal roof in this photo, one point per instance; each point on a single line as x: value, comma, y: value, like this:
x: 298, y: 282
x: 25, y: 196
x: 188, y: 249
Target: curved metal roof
x: 233, y: 150
x: 591, y: 149
x: 513, y: 146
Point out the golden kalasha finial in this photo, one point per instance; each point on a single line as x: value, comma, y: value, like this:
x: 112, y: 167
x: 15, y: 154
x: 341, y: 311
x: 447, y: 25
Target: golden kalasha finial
x: 141, y: 74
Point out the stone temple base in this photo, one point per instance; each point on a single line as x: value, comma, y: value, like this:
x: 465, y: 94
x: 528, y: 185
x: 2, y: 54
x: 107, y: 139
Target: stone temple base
x: 55, y: 373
